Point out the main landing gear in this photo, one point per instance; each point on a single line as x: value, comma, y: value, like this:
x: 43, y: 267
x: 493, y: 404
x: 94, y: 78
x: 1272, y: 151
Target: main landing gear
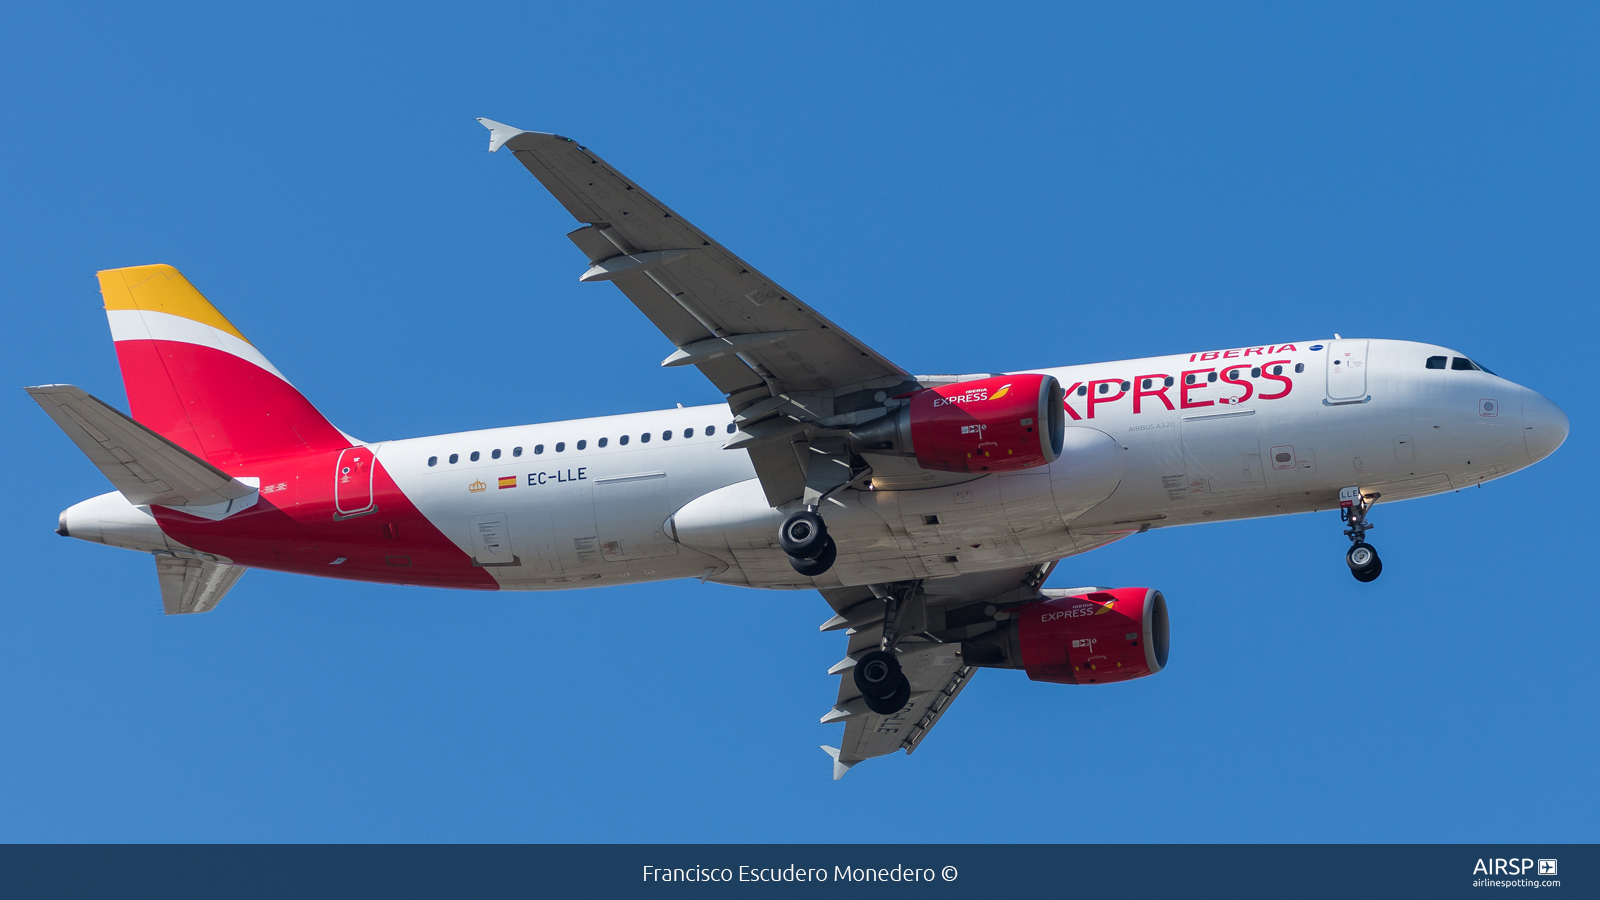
x: 805, y: 538
x: 877, y: 674
x: 1362, y: 558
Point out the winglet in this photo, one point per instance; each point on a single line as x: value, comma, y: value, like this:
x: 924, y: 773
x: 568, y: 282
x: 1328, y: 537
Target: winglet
x: 499, y: 132
x: 839, y: 767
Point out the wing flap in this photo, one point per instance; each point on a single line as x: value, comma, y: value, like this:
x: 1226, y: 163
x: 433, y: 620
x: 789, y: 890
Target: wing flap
x: 145, y: 467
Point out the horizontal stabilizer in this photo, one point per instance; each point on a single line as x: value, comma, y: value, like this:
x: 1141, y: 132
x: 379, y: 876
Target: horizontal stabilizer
x: 192, y: 585
x: 147, y: 468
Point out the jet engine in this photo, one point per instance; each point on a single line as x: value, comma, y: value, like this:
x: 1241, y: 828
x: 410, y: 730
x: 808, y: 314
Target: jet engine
x: 993, y: 424
x: 1079, y: 638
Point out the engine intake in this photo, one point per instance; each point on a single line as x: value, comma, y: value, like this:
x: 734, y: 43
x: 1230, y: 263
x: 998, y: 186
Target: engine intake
x: 993, y: 424
x: 1091, y: 638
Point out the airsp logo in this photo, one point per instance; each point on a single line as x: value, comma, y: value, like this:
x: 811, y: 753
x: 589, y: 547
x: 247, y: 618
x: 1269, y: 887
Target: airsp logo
x: 1513, y: 867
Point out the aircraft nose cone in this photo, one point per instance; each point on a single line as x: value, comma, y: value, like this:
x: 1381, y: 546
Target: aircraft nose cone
x: 1544, y: 425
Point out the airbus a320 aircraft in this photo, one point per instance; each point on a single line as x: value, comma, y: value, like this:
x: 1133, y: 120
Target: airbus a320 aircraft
x: 927, y: 509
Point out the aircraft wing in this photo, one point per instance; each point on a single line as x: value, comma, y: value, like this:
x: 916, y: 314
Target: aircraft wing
x: 758, y: 343
x: 192, y: 585
x: 929, y: 654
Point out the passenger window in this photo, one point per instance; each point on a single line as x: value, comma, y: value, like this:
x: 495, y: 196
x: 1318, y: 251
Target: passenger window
x: 1168, y: 382
x: 1083, y: 390
x: 1255, y: 372
x: 731, y: 429
x: 433, y: 460
x: 666, y: 435
x: 602, y: 442
x: 516, y: 451
x: 474, y: 456
x: 623, y: 440
x: 454, y: 458
x: 1125, y: 385
x: 1211, y: 376
x: 644, y: 438
x: 561, y: 446
x: 1299, y: 367
x: 710, y: 430
x: 1146, y: 384
x: 538, y: 449
x: 1104, y: 388
x: 1436, y: 362
x: 1462, y: 364
x: 582, y: 444
x: 1188, y: 379
x: 1277, y: 370
x: 688, y: 432
x: 495, y: 454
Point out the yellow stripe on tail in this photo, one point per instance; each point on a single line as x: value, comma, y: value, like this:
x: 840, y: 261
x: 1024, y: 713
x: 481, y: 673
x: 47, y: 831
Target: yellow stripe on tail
x: 161, y: 289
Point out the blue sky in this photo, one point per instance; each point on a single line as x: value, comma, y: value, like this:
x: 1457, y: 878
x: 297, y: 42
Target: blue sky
x: 968, y: 188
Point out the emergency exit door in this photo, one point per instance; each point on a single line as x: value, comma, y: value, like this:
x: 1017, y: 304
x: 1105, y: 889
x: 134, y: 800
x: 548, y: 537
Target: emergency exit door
x: 352, y: 483
x: 1347, y: 370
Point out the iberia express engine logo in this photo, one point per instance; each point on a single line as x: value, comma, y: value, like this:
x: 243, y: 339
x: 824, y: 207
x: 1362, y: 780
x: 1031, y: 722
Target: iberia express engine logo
x: 975, y: 395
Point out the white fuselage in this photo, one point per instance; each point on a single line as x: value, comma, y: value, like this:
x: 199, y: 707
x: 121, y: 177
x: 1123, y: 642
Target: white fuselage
x: 1246, y: 444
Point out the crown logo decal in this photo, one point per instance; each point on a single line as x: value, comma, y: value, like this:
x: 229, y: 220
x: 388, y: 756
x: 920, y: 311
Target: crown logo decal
x: 477, y: 487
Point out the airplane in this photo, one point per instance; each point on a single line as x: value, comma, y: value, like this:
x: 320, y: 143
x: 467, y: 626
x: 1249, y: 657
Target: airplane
x: 928, y: 510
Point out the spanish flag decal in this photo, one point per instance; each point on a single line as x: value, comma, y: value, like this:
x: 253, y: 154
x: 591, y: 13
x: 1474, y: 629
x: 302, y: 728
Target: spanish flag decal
x: 508, y: 481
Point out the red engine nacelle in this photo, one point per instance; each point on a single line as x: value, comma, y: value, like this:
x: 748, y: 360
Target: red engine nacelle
x: 993, y: 424
x: 1094, y: 638
x: 1081, y: 638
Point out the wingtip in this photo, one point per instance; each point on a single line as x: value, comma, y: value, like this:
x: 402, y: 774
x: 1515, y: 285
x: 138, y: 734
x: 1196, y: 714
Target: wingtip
x: 839, y: 768
x: 499, y: 132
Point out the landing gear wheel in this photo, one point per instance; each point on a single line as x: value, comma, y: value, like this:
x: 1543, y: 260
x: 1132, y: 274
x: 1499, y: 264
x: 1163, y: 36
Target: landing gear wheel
x: 877, y: 675
x: 895, y: 702
x: 804, y: 536
x: 1364, y: 562
x: 811, y: 568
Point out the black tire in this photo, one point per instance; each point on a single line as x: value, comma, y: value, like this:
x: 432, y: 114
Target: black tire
x: 1372, y: 572
x: 1361, y: 557
x: 895, y: 702
x: 811, y: 568
x: 877, y: 675
x: 803, y: 535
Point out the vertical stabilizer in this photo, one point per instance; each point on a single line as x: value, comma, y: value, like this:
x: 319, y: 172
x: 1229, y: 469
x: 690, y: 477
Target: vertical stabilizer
x: 192, y: 377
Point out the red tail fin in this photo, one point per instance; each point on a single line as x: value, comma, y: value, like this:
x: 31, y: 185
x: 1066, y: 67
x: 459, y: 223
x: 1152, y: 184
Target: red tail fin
x: 192, y: 377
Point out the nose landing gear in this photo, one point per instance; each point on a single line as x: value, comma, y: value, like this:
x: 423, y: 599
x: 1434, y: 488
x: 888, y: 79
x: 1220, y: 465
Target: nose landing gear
x: 1362, y: 558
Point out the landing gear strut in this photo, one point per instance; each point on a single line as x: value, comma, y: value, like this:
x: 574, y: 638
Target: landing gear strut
x: 1363, y: 557
x: 877, y: 674
x: 805, y: 538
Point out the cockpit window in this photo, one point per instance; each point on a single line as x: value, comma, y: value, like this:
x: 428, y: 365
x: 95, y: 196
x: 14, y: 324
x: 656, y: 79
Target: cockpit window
x: 1462, y: 364
x: 1436, y: 362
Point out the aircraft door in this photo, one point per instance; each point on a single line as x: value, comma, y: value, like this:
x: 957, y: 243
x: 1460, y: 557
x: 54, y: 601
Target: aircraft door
x: 1347, y: 371
x: 352, y: 483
